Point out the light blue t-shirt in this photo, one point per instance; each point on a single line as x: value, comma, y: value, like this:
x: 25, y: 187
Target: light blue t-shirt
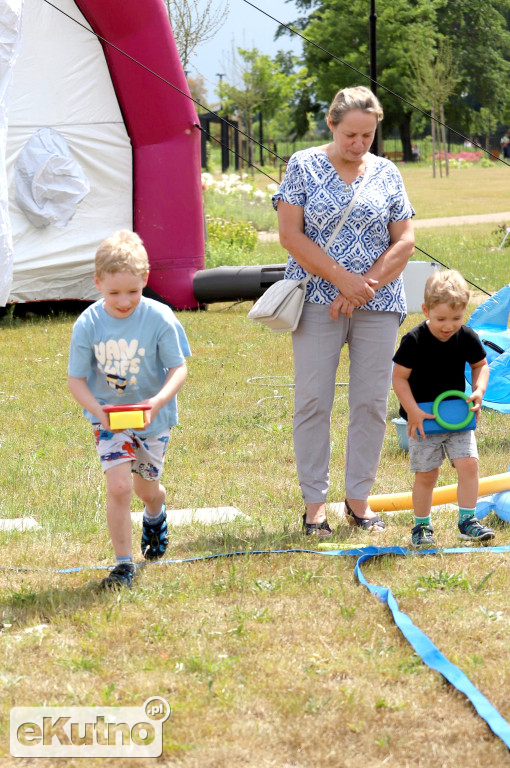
x: 126, y: 360
x: 312, y: 182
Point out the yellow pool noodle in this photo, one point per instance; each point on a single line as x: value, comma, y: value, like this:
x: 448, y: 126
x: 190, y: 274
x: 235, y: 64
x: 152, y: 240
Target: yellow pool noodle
x: 443, y: 495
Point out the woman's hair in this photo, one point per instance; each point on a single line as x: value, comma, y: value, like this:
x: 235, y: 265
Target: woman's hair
x: 446, y: 287
x: 358, y: 97
x: 122, y: 252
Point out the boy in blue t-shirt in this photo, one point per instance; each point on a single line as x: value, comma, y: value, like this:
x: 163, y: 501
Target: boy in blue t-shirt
x: 126, y: 349
x: 431, y: 360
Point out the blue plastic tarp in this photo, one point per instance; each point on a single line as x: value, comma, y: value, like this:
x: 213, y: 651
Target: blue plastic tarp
x: 490, y: 321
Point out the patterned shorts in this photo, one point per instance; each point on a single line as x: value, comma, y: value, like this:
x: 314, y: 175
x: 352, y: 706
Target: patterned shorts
x: 146, y: 454
x: 427, y: 453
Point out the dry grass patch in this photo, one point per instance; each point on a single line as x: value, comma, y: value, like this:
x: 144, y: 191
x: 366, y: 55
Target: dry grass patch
x: 266, y: 660
x: 468, y: 190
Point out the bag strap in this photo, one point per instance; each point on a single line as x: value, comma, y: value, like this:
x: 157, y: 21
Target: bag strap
x: 350, y: 206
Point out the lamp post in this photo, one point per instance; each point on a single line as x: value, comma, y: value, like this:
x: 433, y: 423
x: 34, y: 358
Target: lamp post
x: 372, y: 44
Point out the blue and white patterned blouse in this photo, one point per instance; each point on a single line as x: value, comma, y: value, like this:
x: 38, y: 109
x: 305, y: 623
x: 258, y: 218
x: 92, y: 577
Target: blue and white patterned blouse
x: 312, y: 182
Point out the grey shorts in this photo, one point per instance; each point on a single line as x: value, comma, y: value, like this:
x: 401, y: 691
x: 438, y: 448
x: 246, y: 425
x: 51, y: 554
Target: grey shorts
x: 146, y: 454
x: 427, y: 453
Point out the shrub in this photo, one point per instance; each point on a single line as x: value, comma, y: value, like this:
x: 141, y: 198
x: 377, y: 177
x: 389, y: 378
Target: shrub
x: 227, y: 241
x: 237, y: 197
x: 239, y: 233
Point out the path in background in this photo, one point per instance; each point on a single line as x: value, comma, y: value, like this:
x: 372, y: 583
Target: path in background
x: 445, y: 221
x: 455, y: 221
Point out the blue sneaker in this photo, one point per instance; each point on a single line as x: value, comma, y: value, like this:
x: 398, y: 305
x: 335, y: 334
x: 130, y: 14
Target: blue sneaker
x: 121, y: 575
x: 154, y: 539
x: 422, y: 536
x: 472, y: 530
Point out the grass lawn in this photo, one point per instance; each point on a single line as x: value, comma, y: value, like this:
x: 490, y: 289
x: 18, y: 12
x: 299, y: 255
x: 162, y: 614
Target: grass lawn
x: 472, y: 189
x: 266, y: 659
x: 465, y: 191
x: 471, y: 248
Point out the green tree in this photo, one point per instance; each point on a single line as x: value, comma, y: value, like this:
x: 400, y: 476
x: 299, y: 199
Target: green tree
x: 198, y: 88
x: 257, y: 84
x: 480, y: 39
x: 477, y: 32
x: 436, y: 80
x: 294, y: 114
x: 341, y: 29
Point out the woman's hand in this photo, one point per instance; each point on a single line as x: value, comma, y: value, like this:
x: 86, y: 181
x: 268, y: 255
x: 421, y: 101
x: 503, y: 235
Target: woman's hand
x: 340, y: 306
x: 357, y: 289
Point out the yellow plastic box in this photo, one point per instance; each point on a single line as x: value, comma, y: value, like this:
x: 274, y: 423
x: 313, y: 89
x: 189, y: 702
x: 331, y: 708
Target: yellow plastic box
x: 126, y: 420
x: 128, y: 416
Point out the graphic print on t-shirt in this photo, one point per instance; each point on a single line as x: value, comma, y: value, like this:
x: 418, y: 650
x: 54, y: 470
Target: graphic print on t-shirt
x: 119, y: 360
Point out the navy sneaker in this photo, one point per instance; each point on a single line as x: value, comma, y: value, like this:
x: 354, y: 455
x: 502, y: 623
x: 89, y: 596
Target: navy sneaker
x: 122, y: 575
x: 472, y: 530
x: 422, y: 536
x: 154, y: 539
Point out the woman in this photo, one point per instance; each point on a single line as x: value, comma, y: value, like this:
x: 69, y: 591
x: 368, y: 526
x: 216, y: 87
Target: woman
x: 355, y: 295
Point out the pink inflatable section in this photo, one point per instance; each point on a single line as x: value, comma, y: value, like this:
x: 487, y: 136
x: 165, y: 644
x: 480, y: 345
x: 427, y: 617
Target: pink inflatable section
x: 160, y: 121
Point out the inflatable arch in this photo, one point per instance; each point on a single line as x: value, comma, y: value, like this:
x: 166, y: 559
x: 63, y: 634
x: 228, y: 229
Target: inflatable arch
x: 134, y: 138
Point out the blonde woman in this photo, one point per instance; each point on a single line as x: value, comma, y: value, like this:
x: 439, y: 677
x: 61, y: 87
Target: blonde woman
x: 355, y: 296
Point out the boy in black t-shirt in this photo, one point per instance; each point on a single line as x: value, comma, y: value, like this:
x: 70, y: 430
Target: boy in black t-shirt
x: 431, y: 359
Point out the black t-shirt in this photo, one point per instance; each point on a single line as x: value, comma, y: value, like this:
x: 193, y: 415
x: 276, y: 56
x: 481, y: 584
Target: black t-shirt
x: 437, y: 366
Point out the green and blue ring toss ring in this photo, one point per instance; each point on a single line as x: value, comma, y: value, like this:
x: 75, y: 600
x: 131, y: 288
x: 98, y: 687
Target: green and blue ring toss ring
x: 447, y: 424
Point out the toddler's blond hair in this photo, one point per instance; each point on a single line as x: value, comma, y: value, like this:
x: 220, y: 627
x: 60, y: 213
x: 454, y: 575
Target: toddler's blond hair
x: 446, y: 287
x: 124, y: 251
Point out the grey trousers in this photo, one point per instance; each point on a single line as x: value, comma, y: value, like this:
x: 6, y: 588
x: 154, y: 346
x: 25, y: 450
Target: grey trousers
x: 317, y: 343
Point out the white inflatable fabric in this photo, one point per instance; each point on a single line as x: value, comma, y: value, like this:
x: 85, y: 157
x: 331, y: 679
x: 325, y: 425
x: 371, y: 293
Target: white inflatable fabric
x: 61, y: 81
x: 10, y: 23
x: 48, y: 183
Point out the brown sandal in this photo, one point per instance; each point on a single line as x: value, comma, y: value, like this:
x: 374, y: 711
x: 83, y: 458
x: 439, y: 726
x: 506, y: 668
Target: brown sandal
x: 372, y: 524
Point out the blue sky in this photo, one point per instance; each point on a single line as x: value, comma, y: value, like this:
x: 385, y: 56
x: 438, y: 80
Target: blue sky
x: 245, y: 27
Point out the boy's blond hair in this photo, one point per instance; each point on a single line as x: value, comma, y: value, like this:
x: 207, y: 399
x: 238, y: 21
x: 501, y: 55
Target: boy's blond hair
x: 124, y: 251
x: 446, y: 287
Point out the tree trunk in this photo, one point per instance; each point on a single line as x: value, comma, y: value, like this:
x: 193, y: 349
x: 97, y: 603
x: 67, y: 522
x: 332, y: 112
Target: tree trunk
x: 443, y: 134
x: 405, y: 137
x: 436, y: 140
x: 433, y: 136
x: 249, y: 131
